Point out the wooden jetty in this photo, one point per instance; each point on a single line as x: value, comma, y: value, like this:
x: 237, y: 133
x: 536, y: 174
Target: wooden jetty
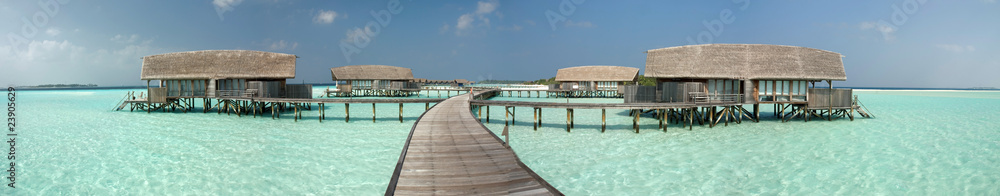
x: 449, y: 152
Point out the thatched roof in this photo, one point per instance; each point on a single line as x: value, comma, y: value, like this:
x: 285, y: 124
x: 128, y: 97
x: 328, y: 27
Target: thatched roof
x: 210, y: 64
x: 597, y: 73
x: 744, y: 61
x: 371, y: 72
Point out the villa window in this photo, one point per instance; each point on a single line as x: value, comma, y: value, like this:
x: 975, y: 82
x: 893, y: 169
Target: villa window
x: 782, y: 90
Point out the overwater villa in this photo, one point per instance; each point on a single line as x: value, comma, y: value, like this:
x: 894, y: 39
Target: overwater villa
x: 594, y: 81
x: 731, y: 75
x: 373, y: 80
x: 182, y: 77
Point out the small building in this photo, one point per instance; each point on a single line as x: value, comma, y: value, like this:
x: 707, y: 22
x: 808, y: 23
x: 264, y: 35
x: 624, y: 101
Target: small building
x: 374, y: 80
x: 595, y: 81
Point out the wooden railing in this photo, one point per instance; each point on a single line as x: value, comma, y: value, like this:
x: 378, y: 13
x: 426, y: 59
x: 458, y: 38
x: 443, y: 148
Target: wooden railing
x: 703, y: 98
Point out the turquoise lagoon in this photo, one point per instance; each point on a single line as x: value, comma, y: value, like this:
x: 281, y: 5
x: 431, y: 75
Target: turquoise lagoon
x: 922, y: 143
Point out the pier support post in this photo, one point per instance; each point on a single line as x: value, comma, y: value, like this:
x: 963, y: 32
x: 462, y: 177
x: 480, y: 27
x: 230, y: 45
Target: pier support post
x: 569, y: 119
x: 603, y: 119
x: 756, y: 112
x: 487, y: 114
x: 506, y: 115
x: 347, y: 112
x: 658, y: 115
x: 663, y: 117
x: 373, y: 112
x: 739, y: 118
x: 635, y: 122
x: 691, y: 118
x: 534, y: 118
x: 400, y: 112
x: 711, y: 117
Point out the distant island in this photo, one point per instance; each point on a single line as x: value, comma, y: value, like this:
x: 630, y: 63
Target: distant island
x: 62, y: 86
x: 984, y: 88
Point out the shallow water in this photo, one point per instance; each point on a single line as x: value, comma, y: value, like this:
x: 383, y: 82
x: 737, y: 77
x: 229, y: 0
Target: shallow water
x: 938, y: 143
x: 922, y: 143
x: 70, y: 142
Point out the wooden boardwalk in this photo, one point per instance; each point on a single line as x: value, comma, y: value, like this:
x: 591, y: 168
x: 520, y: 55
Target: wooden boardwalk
x: 450, y: 153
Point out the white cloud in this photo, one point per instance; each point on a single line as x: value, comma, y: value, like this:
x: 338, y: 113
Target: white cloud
x: 52, y: 31
x: 956, y: 48
x: 223, y: 6
x: 325, y: 17
x: 283, y: 45
x: 54, y: 61
x: 464, y: 22
x: 583, y: 24
x: 467, y: 21
x: 487, y: 7
x: 352, y: 33
x: 226, y: 4
x: 125, y: 39
x: 886, y: 30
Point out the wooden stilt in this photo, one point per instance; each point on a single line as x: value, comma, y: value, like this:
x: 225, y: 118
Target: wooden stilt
x: 659, y: 113
x: 603, y: 120
x: 534, y: 118
x: 568, y: 119
x: 635, y: 123
x: 663, y: 117
x: 513, y: 115
x: 756, y: 112
x: 506, y: 115
x: 711, y: 117
x: 347, y: 112
x: 373, y: 112
x: 400, y: 112
x: 691, y: 118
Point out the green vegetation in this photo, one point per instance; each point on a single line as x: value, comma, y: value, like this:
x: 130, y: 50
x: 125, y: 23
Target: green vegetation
x: 644, y: 81
x: 543, y: 81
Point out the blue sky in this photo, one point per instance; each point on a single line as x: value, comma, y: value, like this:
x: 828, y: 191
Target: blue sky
x: 890, y: 43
